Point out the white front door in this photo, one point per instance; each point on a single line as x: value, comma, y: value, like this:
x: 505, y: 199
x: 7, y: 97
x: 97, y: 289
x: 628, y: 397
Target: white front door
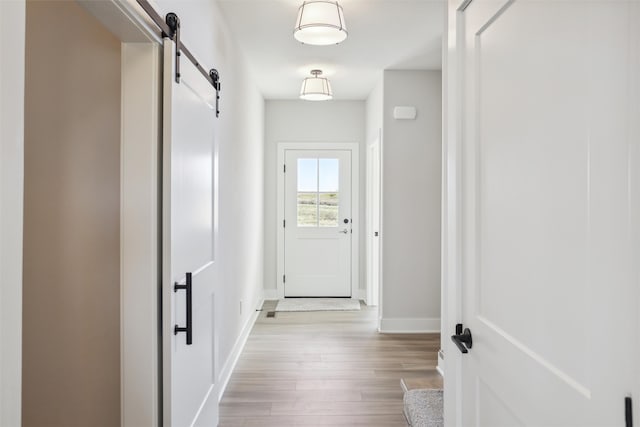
x: 551, y: 211
x: 318, y: 225
x: 188, y: 278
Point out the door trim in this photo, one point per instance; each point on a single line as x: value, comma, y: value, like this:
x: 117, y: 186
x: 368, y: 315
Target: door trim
x: 374, y: 172
x: 139, y: 224
x: 12, y: 77
x: 451, y: 299
x: 354, y: 148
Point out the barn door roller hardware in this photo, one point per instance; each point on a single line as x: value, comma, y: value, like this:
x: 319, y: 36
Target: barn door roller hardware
x: 170, y: 27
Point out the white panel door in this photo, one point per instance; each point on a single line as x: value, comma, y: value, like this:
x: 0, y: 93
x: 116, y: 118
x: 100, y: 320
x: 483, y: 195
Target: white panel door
x: 188, y: 147
x: 317, y: 223
x: 550, y: 202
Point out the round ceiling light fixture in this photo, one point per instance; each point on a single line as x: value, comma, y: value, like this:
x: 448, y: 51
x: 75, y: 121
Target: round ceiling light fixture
x: 316, y: 88
x: 320, y: 22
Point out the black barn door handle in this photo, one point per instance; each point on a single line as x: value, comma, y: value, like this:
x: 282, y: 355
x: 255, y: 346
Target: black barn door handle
x: 189, y: 327
x: 462, y: 339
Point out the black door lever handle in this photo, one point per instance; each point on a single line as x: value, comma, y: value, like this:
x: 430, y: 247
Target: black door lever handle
x: 463, y: 340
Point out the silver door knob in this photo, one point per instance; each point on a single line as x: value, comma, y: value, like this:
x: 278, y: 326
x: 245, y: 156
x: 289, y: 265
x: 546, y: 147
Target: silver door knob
x: 345, y: 231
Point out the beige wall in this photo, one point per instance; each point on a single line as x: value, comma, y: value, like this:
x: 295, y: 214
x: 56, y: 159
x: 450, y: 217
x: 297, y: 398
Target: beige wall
x: 71, y: 341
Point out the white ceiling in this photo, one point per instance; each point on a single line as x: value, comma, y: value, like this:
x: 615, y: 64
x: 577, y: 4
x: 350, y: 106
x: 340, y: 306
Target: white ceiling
x: 383, y: 34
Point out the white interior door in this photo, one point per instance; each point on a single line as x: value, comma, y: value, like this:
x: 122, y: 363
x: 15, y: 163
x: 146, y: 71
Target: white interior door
x: 318, y: 224
x: 188, y: 145
x: 551, y: 211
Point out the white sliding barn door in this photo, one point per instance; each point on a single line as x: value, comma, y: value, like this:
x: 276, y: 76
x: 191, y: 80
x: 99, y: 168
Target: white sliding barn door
x: 188, y: 143
x: 550, y: 211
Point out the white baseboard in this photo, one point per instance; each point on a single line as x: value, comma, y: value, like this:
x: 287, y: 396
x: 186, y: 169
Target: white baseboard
x: 270, y: 294
x: 440, y: 367
x: 232, y: 360
x: 409, y: 325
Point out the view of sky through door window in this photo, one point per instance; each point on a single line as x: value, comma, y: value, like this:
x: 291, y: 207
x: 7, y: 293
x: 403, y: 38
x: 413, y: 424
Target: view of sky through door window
x: 318, y: 190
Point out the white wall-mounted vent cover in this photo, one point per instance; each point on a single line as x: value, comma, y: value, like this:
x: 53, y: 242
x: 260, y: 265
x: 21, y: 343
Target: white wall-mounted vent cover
x: 404, y: 113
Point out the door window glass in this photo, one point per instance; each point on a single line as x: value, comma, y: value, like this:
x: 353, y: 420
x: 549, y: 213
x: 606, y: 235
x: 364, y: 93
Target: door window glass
x: 307, y: 193
x: 318, y: 192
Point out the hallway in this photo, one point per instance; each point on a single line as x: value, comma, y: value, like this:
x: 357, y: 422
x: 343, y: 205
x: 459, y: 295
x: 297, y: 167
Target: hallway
x: 325, y: 368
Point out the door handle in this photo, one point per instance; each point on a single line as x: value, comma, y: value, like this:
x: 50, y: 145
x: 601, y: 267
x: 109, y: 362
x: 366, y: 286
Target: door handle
x: 189, y: 327
x: 345, y: 231
x: 462, y: 339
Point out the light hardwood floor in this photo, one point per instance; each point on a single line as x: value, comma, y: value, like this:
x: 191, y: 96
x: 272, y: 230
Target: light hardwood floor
x: 325, y: 369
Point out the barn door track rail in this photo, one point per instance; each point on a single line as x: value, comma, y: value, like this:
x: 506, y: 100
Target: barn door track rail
x: 170, y: 27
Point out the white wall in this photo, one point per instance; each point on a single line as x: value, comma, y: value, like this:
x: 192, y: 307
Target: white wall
x: 240, y: 141
x: 304, y: 121
x: 12, y: 39
x: 411, y: 184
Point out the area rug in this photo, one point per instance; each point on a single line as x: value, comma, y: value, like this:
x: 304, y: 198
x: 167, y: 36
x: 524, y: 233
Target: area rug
x: 424, y: 408
x: 318, y: 304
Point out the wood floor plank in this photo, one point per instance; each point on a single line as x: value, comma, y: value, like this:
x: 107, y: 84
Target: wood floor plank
x: 325, y: 369
x: 313, y: 421
x: 352, y: 384
x: 272, y: 396
x: 336, y: 408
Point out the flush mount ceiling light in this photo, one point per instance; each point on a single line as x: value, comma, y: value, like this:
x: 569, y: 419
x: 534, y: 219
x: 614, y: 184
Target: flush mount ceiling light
x: 320, y: 22
x: 316, y: 88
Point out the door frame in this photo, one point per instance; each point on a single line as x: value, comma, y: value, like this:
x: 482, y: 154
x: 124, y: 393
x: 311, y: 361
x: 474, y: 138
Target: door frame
x: 451, y: 296
x: 140, y: 239
x: 354, y: 148
x: 374, y: 173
